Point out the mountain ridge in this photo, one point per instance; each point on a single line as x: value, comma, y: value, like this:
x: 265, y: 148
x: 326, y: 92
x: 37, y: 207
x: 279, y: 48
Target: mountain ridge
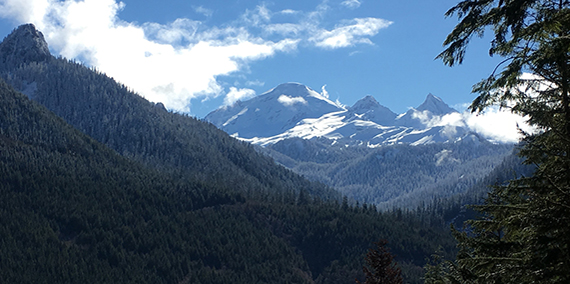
x: 373, y: 155
x: 366, y: 122
x: 146, y: 132
x: 369, y: 108
x: 435, y: 105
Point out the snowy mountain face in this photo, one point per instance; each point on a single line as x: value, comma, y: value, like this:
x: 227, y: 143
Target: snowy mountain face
x: 293, y: 110
x: 435, y: 105
x: 273, y: 112
x: 369, y: 109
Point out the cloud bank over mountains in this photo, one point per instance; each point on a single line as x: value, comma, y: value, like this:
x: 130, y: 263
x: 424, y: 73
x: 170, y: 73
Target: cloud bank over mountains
x: 182, y: 60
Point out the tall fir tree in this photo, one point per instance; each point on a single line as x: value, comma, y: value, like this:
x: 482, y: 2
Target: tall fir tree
x: 381, y: 268
x: 523, y: 235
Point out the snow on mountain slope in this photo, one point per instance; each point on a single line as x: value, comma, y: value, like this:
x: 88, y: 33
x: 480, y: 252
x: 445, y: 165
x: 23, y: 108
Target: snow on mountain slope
x: 435, y: 105
x: 294, y: 110
x: 368, y: 108
x: 426, y: 114
x: 273, y: 112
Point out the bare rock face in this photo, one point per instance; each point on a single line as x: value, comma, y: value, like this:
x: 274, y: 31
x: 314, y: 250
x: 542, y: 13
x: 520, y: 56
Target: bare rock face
x: 24, y: 45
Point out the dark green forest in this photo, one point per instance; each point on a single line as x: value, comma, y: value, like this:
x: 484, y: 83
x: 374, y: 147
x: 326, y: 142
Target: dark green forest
x: 74, y: 210
x: 521, y: 234
x: 103, y: 186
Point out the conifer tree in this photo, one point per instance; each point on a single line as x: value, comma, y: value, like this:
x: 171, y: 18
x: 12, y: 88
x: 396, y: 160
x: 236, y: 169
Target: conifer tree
x: 381, y: 267
x: 523, y: 236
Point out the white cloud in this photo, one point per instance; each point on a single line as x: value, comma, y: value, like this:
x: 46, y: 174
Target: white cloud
x: 308, y: 27
x: 285, y: 29
x: 319, y: 13
x: 354, y: 52
x: 289, y: 12
x: 204, y: 11
x: 176, y: 33
x: 500, y: 124
x: 461, y: 106
x: 256, y: 83
x: 236, y: 94
x: 451, y: 119
x: 289, y: 101
x: 182, y: 60
x: 497, y: 125
x: 352, y: 4
x: 324, y: 92
x: 165, y: 63
x: 347, y: 33
x: 24, y: 11
x: 350, y: 33
x: 260, y: 15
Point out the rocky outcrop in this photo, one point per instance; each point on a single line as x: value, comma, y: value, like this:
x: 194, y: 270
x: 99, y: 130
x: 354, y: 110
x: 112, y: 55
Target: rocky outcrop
x: 24, y: 45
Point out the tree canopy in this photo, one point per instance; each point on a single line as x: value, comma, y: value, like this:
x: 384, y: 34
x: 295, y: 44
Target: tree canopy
x: 382, y: 269
x: 522, y: 236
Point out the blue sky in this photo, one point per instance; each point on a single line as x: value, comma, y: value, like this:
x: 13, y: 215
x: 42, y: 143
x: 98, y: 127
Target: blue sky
x: 195, y: 56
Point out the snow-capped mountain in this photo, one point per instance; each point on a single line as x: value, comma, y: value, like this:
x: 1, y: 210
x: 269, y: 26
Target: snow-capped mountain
x: 368, y: 108
x: 294, y: 110
x: 311, y: 135
x: 435, y: 106
x: 273, y: 112
x: 426, y: 114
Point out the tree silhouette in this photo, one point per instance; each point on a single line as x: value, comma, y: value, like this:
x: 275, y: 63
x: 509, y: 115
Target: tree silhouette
x: 381, y: 266
x: 521, y: 236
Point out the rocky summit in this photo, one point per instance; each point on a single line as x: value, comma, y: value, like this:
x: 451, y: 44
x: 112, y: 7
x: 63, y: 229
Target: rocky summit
x: 24, y: 45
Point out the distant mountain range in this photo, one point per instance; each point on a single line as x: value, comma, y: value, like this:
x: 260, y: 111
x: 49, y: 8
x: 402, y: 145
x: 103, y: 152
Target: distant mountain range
x: 366, y: 151
x: 294, y: 110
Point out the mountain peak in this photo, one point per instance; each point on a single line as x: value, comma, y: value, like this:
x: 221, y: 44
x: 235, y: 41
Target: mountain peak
x: 369, y: 109
x: 296, y: 89
x: 367, y: 102
x: 25, y: 44
x: 290, y: 86
x: 435, y: 105
x: 273, y: 112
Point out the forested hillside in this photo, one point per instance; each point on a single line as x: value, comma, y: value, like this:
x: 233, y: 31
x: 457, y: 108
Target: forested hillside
x: 73, y: 211
x: 136, y: 128
x: 397, y: 176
